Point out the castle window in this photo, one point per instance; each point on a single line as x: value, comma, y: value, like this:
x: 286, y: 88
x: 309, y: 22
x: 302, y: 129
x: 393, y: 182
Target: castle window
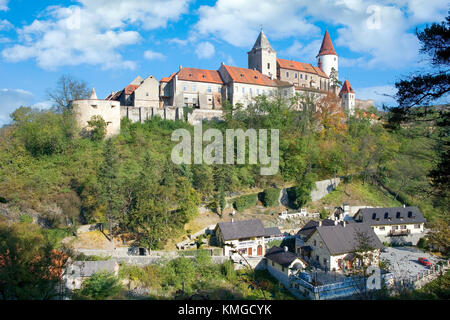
x: 194, y: 88
x: 250, y: 91
x: 287, y: 74
x: 94, y: 106
x: 257, y: 91
x: 184, y: 88
x: 301, y: 76
x: 306, y: 77
x: 243, y: 90
x: 209, y: 89
x: 268, y: 66
x: 296, y: 75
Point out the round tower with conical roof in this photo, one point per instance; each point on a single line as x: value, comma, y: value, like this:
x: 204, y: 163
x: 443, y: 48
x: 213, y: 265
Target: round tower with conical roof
x: 327, y: 59
x: 262, y: 57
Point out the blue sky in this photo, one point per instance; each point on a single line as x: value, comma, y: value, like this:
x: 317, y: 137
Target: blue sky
x: 109, y: 42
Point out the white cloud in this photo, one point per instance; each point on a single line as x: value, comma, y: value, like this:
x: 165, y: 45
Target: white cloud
x: 91, y: 32
x: 180, y: 42
x: 153, y: 55
x: 307, y: 53
x: 5, y: 25
x: 380, y: 94
x: 4, y: 5
x: 238, y: 22
x: 10, y: 100
x: 379, y: 31
x: 205, y: 50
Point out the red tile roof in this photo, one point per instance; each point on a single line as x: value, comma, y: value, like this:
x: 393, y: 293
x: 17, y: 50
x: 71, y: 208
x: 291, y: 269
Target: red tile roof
x: 200, y: 75
x: 168, y: 79
x: 130, y: 89
x: 346, y: 88
x: 249, y: 76
x: 327, y: 46
x: 300, y: 66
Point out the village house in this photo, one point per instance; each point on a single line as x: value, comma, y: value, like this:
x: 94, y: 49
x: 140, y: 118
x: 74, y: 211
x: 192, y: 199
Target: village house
x: 78, y: 271
x: 281, y: 263
x: 401, y: 225
x: 273, y: 234
x: 246, y: 237
x: 338, y: 246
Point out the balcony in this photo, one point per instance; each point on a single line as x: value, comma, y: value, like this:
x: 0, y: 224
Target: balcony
x: 397, y: 233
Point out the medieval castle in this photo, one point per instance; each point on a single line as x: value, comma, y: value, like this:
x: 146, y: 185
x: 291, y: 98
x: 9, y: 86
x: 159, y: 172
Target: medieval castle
x: 203, y: 91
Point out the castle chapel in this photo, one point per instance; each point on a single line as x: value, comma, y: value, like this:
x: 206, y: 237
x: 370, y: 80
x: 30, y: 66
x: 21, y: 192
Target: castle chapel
x: 203, y: 91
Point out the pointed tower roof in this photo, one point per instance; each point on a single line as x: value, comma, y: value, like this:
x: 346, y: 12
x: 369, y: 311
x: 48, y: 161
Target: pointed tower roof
x: 93, y: 95
x: 327, y: 46
x: 262, y: 42
x: 346, y: 88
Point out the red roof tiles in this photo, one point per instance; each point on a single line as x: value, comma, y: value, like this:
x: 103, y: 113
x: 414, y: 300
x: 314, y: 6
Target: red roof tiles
x: 249, y: 76
x: 300, y: 66
x: 130, y: 89
x: 200, y: 75
x: 327, y: 46
x: 168, y: 79
x: 346, y: 88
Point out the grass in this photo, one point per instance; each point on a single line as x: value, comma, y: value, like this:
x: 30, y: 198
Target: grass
x: 356, y: 193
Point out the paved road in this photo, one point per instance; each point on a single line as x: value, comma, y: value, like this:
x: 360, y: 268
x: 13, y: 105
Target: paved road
x: 403, y: 261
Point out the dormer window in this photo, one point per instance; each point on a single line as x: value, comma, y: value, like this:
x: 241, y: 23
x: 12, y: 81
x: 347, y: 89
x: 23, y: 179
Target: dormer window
x: 398, y: 215
x: 242, y: 75
x: 203, y: 76
x: 386, y: 215
x: 409, y: 214
x: 190, y: 75
x: 374, y: 215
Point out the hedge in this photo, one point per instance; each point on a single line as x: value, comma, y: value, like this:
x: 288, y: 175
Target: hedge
x: 270, y: 197
x: 244, y: 202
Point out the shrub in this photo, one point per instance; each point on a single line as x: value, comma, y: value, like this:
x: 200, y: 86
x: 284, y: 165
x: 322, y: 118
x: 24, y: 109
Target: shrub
x: 422, y: 244
x: 98, y: 126
x: 26, y: 218
x: 270, y: 197
x: 244, y: 202
x: 323, y: 214
x: 100, y: 286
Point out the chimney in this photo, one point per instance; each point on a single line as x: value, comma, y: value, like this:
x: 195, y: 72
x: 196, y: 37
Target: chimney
x: 232, y: 220
x: 404, y: 206
x: 285, y: 249
x: 320, y: 223
x: 181, y: 67
x: 344, y: 223
x: 335, y: 222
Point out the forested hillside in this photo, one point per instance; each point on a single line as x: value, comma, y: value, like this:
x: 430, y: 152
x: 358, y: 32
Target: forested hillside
x: 130, y: 183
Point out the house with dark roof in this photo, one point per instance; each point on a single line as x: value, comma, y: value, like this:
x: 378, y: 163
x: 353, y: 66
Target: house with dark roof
x: 401, y: 225
x: 273, y: 233
x: 300, y: 247
x: 343, y: 246
x: 281, y: 263
x: 245, y: 237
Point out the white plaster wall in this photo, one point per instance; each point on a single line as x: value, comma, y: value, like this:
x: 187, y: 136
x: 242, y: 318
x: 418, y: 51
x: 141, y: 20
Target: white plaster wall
x: 84, y: 110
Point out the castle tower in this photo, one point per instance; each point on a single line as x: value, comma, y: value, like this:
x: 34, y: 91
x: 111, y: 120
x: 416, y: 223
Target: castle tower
x: 348, y: 97
x: 327, y: 57
x: 93, y: 95
x: 262, y: 57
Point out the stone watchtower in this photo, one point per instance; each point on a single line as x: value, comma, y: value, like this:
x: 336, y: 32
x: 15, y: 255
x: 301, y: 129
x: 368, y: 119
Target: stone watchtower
x: 262, y: 57
x: 347, y: 95
x: 327, y: 58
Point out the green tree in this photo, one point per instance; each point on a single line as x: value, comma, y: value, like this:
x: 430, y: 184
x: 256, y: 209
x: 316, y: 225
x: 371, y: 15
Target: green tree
x: 109, y: 184
x: 99, y: 286
x: 98, y: 128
